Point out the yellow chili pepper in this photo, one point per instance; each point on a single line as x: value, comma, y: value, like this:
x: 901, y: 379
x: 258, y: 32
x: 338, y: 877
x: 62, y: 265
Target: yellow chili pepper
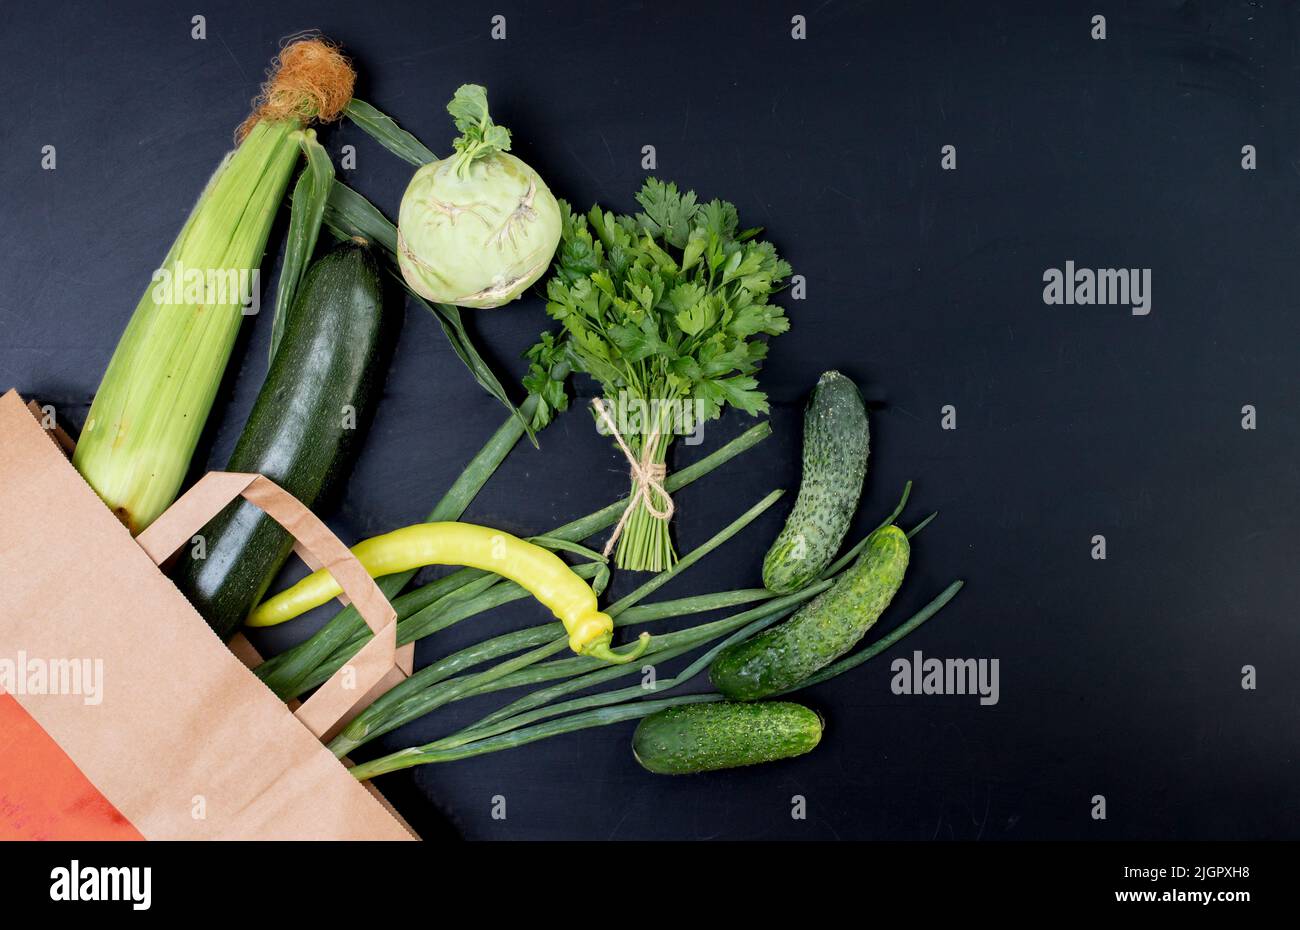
x: 540, y: 572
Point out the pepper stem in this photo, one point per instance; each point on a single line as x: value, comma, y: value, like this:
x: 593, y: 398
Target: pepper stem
x: 599, y: 649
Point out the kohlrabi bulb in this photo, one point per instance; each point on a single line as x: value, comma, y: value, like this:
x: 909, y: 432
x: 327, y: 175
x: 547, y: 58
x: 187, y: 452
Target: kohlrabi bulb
x: 479, y: 227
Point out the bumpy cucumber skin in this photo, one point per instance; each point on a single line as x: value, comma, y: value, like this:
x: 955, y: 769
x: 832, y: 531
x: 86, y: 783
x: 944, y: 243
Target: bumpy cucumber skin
x: 706, y: 737
x: 836, y: 441
x: 822, y: 630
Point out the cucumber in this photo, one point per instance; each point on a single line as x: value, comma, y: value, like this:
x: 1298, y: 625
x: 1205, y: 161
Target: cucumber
x: 332, y: 356
x: 821, y: 631
x: 704, y: 737
x: 836, y: 440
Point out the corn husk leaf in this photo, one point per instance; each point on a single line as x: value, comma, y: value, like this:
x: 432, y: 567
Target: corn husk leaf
x: 309, y: 196
x: 154, y: 399
x: 384, y: 130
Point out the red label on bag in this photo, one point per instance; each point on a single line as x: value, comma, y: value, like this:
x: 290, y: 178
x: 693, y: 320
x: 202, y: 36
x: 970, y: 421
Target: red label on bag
x: 43, y: 795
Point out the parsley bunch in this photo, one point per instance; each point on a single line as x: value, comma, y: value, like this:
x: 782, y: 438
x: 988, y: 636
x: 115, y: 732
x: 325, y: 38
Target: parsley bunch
x: 663, y: 309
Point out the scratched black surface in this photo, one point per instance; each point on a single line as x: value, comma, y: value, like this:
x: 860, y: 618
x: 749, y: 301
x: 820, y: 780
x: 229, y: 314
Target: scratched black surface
x: 1119, y: 678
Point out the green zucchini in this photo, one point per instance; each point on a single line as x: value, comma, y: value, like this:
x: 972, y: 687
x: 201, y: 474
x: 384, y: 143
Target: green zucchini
x: 704, y: 737
x: 836, y: 440
x: 821, y: 631
x: 302, y: 432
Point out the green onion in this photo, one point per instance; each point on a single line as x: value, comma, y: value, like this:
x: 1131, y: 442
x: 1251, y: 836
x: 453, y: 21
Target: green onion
x: 402, y: 704
x: 419, y: 755
x: 425, y: 691
x: 286, y: 673
x: 507, y: 643
x: 428, y: 688
x: 532, y: 707
x: 466, y: 602
x: 452, y: 748
x: 416, y: 697
x: 693, y: 636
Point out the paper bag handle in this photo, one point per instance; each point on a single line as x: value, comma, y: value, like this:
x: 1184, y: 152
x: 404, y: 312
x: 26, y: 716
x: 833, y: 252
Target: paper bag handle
x: 378, y: 666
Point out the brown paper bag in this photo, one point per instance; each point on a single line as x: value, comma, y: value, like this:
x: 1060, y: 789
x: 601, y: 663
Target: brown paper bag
x: 126, y: 716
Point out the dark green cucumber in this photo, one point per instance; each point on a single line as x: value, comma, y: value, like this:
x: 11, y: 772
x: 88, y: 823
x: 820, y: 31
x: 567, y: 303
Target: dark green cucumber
x: 836, y: 440
x: 822, y: 630
x: 704, y: 737
x: 303, y: 431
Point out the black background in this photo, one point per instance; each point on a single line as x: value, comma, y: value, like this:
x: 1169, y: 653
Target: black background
x: 1118, y: 677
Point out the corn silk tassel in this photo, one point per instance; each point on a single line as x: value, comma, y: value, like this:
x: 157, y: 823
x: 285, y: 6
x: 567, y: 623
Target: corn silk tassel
x: 151, y: 406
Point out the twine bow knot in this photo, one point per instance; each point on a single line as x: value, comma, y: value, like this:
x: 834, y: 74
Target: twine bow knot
x: 647, y: 477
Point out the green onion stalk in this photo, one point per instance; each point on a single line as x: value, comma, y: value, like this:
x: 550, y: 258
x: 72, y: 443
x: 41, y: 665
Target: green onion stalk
x: 427, y: 690
x: 528, y: 637
x: 286, y: 673
x: 291, y: 672
x: 493, y: 734
x: 416, y: 697
x: 154, y: 399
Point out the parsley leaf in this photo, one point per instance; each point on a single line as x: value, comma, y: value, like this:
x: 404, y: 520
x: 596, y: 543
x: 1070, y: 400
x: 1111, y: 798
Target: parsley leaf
x: 670, y: 304
x: 547, y: 370
x: 668, y: 215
